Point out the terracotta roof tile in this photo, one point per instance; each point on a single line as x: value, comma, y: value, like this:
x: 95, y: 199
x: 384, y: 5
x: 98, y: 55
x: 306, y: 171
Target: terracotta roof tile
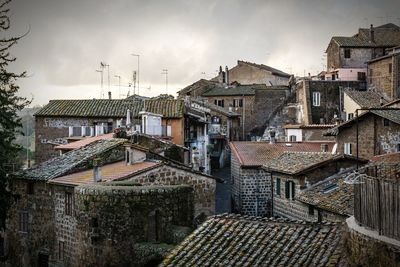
x: 83, y: 142
x: 60, y: 165
x: 331, y: 194
x: 233, y: 240
x: 295, y: 162
x: 256, y: 154
x: 109, y: 172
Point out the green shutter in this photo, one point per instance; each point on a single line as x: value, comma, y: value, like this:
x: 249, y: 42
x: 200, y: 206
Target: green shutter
x: 287, y: 189
x: 278, y: 186
x: 293, y: 188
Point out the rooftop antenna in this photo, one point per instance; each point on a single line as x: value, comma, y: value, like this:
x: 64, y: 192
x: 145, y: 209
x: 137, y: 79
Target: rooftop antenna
x: 165, y: 72
x: 129, y: 89
x: 138, y: 60
x: 134, y: 82
x: 119, y: 84
x: 101, y: 82
x: 103, y: 65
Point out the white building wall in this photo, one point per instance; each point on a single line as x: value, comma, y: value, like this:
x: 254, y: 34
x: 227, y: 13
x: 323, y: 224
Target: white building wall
x: 295, y: 132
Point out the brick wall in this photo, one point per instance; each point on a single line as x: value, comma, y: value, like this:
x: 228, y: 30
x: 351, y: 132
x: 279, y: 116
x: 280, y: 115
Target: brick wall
x: 251, y: 189
x: 24, y: 247
x: 379, y: 77
x: 374, y: 138
x: 204, y: 187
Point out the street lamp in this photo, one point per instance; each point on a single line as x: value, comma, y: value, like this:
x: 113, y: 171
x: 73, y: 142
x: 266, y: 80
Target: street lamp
x: 138, y: 56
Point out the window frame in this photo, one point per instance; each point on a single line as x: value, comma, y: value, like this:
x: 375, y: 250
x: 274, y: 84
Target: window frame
x: 23, y: 223
x: 61, y: 250
x: 316, y: 99
x: 278, y: 186
x: 68, y: 200
x: 347, y: 149
x: 347, y: 53
x: 290, y: 190
x: 291, y: 138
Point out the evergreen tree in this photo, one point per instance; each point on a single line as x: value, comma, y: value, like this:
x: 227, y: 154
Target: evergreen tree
x: 10, y: 124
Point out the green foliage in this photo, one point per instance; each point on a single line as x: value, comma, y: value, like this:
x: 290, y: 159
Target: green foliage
x: 10, y: 124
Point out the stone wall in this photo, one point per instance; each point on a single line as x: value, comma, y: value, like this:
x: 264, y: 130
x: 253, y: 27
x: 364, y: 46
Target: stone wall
x: 333, y: 59
x: 50, y: 132
x: 383, y: 80
x: 251, y: 190
x: 23, y: 248
x: 374, y: 138
x: 358, y: 57
x: 331, y: 93
x: 204, y: 187
x: 112, y: 219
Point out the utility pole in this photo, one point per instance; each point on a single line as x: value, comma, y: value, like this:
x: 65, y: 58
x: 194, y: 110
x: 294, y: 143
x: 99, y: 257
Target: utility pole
x: 138, y: 60
x: 165, y: 72
x: 119, y: 85
x: 134, y: 82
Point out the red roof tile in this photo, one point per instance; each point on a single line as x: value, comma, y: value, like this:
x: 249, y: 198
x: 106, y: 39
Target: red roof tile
x: 83, y: 142
x: 254, y: 154
x: 109, y: 172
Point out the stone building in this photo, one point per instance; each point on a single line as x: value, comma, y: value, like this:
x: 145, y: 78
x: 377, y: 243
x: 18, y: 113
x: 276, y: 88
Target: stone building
x: 251, y: 73
x: 347, y: 57
x: 322, y: 100
x: 354, y: 99
x: 384, y: 74
x: 62, y: 121
x: 307, y: 133
x: 293, y: 172
x: 251, y: 184
x: 378, y: 133
x: 234, y: 240
x: 253, y: 102
x: 71, y: 207
x: 197, y: 88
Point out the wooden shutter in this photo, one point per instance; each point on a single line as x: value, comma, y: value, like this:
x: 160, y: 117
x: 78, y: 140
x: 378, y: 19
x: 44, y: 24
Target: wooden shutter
x: 293, y: 189
x: 287, y: 189
x: 278, y: 186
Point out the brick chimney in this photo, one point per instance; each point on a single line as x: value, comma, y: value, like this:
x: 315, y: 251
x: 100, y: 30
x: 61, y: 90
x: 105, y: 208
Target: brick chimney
x: 372, y: 34
x: 96, y: 170
x: 109, y: 95
x: 221, y: 75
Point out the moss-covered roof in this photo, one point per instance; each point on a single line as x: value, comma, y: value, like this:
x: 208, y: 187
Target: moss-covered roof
x: 233, y: 240
x: 114, y: 108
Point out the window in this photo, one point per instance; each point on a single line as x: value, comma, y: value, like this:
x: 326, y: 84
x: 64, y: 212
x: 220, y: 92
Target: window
x: 23, y: 221
x: 2, y: 247
x: 350, y: 116
x: 289, y: 189
x: 347, y: 148
x: 215, y: 120
x: 310, y: 210
x: 278, y: 186
x: 398, y: 147
x: 361, y: 76
x: 68, y: 203
x: 316, y: 99
x: 61, y: 252
x: 30, y: 190
x: 385, y: 122
x: 292, y: 138
x: 238, y: 103
x: 347, y: 53
x: 390, y: 67
x: 219, y: 102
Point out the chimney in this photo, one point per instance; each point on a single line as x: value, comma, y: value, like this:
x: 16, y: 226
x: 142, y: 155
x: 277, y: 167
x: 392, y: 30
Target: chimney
x: 109, y: 95
x: 372, y: 34
x: 272, y: 137
x: 381, y: 101
x: 226, y: 75
x: 324, y: 147
x: 221, y: 75
x: 96, y: 170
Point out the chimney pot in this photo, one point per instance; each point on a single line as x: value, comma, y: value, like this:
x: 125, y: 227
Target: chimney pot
x: 109, y: 95
x: 272, y: 137
x: 226, y: 75
x: 371, y: 34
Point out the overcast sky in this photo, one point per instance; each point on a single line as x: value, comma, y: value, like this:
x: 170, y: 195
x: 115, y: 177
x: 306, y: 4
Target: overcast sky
x: 69, y: 38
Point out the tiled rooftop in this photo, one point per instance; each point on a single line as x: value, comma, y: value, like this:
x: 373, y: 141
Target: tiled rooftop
x: 384, y: 35
x: 114, y: 108
x: 233, y: 240
x: 109, y: 172
x: 256, y: 154
x: 392, y: 115
x: 295, y: 162
x: 366, y: 99
x: 387, y: 158
x: 239, y: 90
x: 308, y: 126
x: 83, y: 142
x: 331, y: 194
x: 60, y: 165
x: 265, y: 67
